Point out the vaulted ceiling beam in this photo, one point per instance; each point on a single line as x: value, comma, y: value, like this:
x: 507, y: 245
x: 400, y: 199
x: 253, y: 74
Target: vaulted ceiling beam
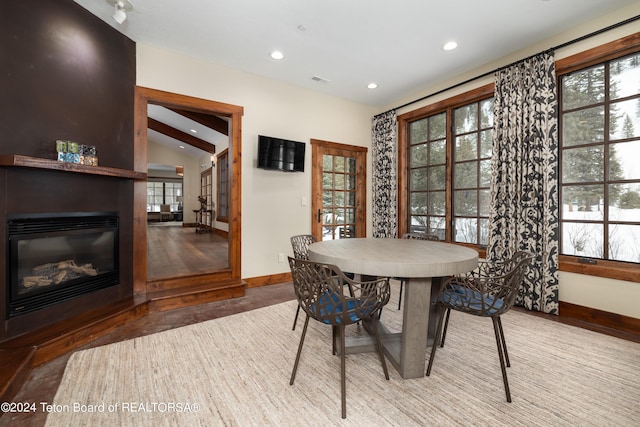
x: 213, y: 122
x: 181, y: 136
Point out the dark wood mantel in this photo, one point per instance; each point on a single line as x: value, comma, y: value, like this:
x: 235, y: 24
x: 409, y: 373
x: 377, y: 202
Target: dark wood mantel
x: 15, y: 160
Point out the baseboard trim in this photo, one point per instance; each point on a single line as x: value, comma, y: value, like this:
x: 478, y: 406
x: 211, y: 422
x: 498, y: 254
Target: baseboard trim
x: 272, y: 279
x: 602, y: 321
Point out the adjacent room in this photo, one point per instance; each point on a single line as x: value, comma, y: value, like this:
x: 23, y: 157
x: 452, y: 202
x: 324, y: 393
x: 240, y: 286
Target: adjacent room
x: 320, y: 213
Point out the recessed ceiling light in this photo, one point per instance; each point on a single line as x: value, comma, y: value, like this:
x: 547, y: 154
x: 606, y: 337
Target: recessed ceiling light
x: 181, y: 147
x: 450, y: 45
x: 276, y: 54
x: 372, y: 85
x: 194, y: 131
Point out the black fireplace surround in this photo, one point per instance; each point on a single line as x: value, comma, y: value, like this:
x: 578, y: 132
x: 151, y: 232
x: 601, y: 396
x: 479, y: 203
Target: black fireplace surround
x: 56, y: 257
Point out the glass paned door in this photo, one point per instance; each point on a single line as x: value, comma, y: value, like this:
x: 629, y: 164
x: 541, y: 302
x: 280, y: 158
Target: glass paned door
x: 339, y: 175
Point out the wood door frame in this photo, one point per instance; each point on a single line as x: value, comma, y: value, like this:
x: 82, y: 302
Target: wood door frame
x: 144, y: 96
x: 361, y: 183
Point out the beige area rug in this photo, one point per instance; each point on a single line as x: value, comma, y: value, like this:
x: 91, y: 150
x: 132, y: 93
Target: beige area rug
x: 234, y: 371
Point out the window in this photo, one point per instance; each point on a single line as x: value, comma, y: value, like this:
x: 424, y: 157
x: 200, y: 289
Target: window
x: 163, y: 193
x: 473, y: 133
x: 600, y: 172
x: 448, y: 168
x: 223, y: 186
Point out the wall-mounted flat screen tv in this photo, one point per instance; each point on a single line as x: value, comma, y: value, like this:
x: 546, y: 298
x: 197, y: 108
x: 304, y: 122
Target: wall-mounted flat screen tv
x: 280, y: 154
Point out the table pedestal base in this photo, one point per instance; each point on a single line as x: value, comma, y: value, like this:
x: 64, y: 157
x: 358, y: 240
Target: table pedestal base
x: 407, y: 351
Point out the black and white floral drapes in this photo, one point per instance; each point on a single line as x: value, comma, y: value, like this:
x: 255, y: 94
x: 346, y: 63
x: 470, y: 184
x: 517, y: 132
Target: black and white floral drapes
x: 383, y: 142
x: 524, y: 190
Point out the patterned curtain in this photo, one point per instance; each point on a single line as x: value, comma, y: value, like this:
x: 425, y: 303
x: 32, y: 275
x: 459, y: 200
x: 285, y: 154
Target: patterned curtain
x: 384, y: 136
x: 524, y: 176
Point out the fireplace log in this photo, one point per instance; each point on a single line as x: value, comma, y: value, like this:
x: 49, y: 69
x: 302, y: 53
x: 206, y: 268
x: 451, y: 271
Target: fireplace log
x: 31, y: 281
x: 58, y: 272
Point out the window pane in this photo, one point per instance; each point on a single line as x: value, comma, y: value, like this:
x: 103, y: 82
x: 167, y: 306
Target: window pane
x: 466, y: 230
x: 583, y: 127
x: 350, y: 182
x: 418, y: 203
x: 418, y: 224
x: 486, y: 143
x: 466, y: 148
x: 624, y: 77
x: 327, y: 198
x: 485, y: 173
x: 418, y: 131
x: 350, y: 216
x: 338, y: 181
x: 437, y: 203
x: 437, y: 178
x: 418, y: 179
x: 327, y: 162
x: 438, y: 126
x: 418, y: 155
x: 466, y: 118
x: 624, y: 242
x: 485, y: 197
x: 624, y: 202
x: 486, y: 113
x: 327, y: 180
x: 465, y: 203
x: 350, y: 165
x: 351, y: 198
x: 484, y: 232
x: 583, y: 239
x: 465, y: 175
x: 339, y: 163
x: 583, y: 202
x: 585, y: 164
x: 582, y: 88
x: 624, y: 160
x: 339, y: 198
x: 437, y: 226
x: 438, y: 152
x: 624, y: 119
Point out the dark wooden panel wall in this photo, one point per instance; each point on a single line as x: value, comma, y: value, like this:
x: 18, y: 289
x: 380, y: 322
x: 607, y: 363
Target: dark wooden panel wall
x: 65, y: 75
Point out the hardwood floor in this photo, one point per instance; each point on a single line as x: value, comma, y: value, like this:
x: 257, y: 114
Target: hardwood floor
x: 174, y: 250
x: 43, y: 381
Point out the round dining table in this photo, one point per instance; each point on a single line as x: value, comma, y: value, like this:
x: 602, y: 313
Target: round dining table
x: 417, y: 261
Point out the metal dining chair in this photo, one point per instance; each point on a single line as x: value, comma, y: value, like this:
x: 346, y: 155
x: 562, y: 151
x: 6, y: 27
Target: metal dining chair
x: 320, y: 290
x: 300, y: 245
x: 488, y: 291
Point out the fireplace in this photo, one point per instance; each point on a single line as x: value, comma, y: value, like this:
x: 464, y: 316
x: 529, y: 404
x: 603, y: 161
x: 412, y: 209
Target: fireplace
x: 53, y: 258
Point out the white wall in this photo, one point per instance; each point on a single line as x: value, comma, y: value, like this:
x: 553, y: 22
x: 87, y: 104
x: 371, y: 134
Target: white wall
x: 615, y: 296
x: 271, y: 201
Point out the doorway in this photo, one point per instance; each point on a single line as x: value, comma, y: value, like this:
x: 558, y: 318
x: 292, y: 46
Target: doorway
x: 338, y: 185
x: 230, y: 275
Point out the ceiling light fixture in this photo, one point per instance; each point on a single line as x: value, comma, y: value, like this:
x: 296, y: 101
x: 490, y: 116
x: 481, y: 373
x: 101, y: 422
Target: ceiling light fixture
x: 121, y: 9
x: 372, y: 85
x: 276, y: 54
x: 194, y: 131
x: 450, y: 45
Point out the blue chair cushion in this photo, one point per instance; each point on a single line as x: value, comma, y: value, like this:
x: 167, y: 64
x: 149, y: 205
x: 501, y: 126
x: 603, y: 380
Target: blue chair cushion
x: 331, y: 306
x: 461, y: 297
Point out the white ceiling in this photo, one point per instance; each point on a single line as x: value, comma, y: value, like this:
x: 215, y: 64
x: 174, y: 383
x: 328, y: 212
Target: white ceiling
x: 351, y: 43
